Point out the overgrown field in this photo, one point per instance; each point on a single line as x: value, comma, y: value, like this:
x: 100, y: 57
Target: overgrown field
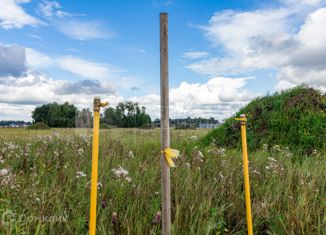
x: 45, y: 185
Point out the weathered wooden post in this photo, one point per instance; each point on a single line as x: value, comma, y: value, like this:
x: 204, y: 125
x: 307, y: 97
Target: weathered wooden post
x: 165, y: 128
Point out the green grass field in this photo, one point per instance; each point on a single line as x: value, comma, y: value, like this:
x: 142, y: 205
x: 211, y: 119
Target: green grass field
x: 45, y: 185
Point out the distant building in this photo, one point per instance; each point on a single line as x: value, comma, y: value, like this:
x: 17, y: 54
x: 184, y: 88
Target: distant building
x: 207, y: 125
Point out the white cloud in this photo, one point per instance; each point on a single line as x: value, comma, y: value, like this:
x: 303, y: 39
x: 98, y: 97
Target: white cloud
x: 34, y: 36
x: 313, y: 32
x: 67, y: 23
x: 219, y: 97
x: 216, y: 66
x: 195, y: 54
x: 51, y: 8
x: 307, y: 64
x: 74, y: 65
x: 37, y: 59
x: 303, y: 2
x: 84, y: 30
x: 234, y: 30
x: 12, y: 60
x: 12, y: 15
x: 23, y: 93
x: 162, y: 3
x: 287, y: 39
x: 85, y: 68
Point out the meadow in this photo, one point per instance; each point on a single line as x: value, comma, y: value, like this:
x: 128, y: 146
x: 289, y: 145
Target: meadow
x: 45, y: 185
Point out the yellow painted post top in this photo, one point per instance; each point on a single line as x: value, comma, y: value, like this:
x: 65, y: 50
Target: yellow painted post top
x: 242, y: 119
x: 98, y: 104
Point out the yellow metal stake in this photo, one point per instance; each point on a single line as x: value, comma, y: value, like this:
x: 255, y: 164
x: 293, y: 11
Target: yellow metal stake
x: 96, y: 127
x: 243, y: 121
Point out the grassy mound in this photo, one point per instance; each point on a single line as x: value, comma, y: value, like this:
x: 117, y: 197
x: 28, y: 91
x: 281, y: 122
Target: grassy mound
x: 295, y: 118
x: 38, y: 126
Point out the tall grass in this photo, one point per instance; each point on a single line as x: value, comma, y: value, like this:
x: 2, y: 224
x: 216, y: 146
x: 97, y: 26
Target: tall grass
x: 49, y: 175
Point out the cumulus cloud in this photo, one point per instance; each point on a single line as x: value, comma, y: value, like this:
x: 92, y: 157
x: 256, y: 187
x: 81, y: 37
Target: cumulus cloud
x: 218, y: 97
x: 23, y: 86
x: 12, y: 15
x: 33, y: 88
x: 12, y: 60
x: 286, y: 39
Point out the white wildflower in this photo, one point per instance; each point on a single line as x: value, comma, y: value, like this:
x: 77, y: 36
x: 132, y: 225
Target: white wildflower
x: 277, y: 148
x: 222, y: 177
x: 56, y: 134
x: 120, y: 172
x: 80, y: 174
x: 4, y: 172
x: 200, y: 154
x: 221, y: 151
x: 128, y: 179
x: 256, y: 172
x: 80, y: 151
x: 272, y: 159
x: 193, y: 137
x: 130, y: 154
x: 188, y: 164
x: 265, y: 147
x: 315, y: 152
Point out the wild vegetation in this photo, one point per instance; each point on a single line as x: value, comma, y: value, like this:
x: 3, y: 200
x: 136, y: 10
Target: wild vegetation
x: 126, y: 114
x: 38, y: 126
x: 294, y: 118
x: 56, y: 115
x: 45, y: 185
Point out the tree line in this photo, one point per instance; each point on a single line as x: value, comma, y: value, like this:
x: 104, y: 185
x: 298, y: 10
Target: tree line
x: 188, y: 123
x: 6, y: 123
x: 126, y: 114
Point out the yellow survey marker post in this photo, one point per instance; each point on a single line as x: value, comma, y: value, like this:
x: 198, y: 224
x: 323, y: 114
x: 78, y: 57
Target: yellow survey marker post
x: 96, y: 132
x: 243, y: 121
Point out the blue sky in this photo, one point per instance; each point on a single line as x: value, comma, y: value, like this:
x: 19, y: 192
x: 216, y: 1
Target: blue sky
x: 222, y: 54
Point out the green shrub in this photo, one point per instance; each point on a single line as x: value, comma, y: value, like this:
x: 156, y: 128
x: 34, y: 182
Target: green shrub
x: 295, y: 118
x: 38, y: 126
x: 105, y: 126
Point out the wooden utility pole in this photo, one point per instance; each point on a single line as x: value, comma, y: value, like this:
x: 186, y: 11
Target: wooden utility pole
x: 165, y: 127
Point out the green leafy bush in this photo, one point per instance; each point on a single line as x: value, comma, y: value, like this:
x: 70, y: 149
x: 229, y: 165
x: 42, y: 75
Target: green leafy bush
x: 38, y: 126
x: 295, y: 118
x: 105, y: 126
